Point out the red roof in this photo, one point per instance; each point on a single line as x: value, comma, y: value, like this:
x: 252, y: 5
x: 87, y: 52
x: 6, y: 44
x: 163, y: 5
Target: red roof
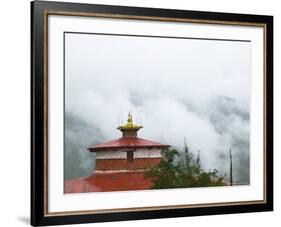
x: 127, y: 143
x: 104, y: 182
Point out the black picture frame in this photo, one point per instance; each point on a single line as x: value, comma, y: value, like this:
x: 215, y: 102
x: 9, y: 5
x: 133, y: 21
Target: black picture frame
x: 39, y: 110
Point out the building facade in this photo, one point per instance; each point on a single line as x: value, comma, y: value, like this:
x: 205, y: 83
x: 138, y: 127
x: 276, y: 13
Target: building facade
x: 120, y: 163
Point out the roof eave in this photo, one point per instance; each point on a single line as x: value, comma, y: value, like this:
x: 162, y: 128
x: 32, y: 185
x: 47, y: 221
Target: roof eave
x: 97, y: 149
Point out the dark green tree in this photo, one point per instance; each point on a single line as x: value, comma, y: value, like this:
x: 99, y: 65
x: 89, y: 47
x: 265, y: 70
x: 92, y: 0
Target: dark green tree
x: 181, y: 170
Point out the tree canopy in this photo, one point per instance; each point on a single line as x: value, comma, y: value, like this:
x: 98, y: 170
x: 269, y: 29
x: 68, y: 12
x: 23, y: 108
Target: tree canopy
x: 182, y: 170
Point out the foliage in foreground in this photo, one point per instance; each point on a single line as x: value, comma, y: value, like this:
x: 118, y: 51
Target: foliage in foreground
x: 177, y: 170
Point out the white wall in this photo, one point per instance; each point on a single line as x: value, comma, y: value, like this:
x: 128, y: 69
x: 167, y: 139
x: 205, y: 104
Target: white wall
x: 148, y: 153
x: 15, y: 120
x: 110, y: 154
x: 139, y: 153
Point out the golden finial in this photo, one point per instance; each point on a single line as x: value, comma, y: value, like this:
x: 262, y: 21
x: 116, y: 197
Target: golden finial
x: 129, y: 124
x: 130, y: 120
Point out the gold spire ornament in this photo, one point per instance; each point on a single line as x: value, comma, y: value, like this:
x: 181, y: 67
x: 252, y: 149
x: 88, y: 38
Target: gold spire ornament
x: 129, y: 128
x: 130, y: 120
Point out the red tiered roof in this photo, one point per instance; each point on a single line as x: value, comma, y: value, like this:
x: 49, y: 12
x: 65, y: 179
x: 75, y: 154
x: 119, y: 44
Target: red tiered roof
x: 127, y: 143
x: 104, y: 182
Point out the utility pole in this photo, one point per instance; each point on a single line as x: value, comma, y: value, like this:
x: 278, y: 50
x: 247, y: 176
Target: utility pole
x: 230, y: 168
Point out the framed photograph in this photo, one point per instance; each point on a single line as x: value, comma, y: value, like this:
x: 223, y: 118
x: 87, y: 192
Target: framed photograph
x: 142, y: 113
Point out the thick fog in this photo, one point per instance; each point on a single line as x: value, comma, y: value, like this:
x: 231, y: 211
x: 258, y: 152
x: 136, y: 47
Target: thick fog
x: 198, y: 89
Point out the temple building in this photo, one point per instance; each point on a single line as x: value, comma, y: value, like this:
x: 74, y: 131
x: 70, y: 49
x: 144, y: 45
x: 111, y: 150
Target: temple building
x: 120, y: 163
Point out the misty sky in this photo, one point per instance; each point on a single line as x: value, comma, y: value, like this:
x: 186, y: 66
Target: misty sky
x: 198, y: 89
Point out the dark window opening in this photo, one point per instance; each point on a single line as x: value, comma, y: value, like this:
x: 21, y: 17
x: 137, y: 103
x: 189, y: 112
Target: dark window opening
x: 130, y: 156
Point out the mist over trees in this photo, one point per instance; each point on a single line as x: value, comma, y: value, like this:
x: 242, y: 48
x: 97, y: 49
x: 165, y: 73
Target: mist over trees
x: 79, y: 134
